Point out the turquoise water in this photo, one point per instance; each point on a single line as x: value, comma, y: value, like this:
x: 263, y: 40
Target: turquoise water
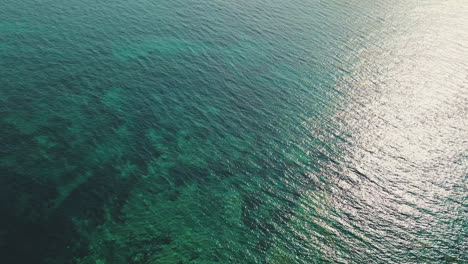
x: 144, y: 132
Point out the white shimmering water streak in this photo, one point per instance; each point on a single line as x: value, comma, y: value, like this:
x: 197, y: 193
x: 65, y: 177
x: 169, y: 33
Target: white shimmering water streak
x: 407, y: 116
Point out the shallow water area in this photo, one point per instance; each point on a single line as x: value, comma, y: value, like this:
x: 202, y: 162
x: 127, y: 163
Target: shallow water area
x: 202, y: 131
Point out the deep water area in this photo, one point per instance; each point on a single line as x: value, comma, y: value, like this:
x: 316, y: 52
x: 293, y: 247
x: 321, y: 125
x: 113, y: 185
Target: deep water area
x: 260, y: 131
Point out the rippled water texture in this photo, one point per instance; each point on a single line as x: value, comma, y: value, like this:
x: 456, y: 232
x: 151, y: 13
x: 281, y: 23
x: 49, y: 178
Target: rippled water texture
x: 260, y: 131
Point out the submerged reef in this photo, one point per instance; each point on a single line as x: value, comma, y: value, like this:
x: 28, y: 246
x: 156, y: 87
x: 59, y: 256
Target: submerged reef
x: 128, y: 151
x: 129, y: 191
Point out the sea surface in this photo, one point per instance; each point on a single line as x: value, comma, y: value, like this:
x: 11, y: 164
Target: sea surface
x: 250, y: 131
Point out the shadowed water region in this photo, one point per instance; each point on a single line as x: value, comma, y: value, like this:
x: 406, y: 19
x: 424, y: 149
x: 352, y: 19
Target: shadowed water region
x: 262, y: 131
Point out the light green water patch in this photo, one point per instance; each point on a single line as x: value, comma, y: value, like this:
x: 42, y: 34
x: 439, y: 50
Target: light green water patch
x: 45, y: 142
x: 5, y: 49
x: 114, y: 98
x: 249, y: 53
x: 11, y: 27
x: 45, y: 146
x: 162, y: 46
x: 8, y: 161
x: 106, y: 151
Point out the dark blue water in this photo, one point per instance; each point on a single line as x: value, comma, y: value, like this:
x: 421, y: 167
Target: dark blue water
x: 143, y: 132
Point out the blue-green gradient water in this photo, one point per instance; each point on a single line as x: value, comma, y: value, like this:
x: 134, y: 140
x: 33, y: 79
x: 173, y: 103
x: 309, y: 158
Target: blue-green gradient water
x: 215, y: 131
